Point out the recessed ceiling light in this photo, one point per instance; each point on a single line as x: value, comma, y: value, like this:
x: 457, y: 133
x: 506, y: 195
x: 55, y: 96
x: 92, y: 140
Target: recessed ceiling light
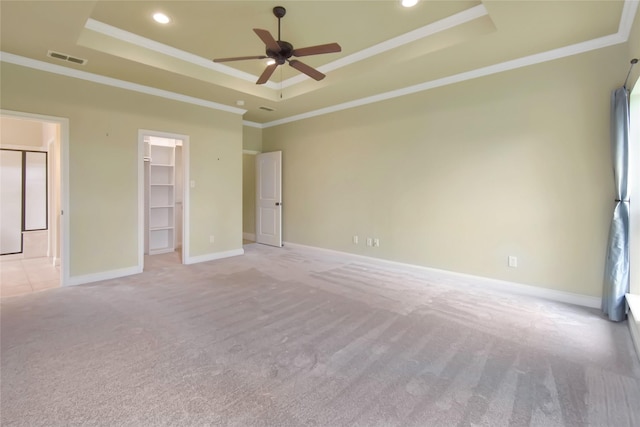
x: 409, y: 3
x: 161, y: 18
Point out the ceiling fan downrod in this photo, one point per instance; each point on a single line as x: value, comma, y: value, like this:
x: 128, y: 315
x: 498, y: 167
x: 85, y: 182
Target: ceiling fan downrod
x: 279, y: 12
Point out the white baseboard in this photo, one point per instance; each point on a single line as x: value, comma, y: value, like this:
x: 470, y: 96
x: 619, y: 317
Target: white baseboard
x: 214, y: 256
x: 249, y: 236
x: 105, y: 275
x: 487, y: 283
x: 114, y: 274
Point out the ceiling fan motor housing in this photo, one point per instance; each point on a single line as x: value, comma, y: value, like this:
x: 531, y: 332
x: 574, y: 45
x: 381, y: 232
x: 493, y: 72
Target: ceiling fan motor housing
x: 286, y: 51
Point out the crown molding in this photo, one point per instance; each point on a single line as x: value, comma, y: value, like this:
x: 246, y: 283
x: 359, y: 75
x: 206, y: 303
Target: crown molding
x: 126, y: 36
x: 108, y: 81
x: 252, y: 124
x: 417, y: 34
x: 538, y: 58
x: 626, y: 19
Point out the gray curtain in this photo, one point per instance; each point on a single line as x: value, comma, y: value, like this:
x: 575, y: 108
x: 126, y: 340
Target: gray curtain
x: 616, y: 272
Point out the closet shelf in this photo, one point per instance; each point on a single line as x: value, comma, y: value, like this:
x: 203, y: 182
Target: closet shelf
x: 161, y: 208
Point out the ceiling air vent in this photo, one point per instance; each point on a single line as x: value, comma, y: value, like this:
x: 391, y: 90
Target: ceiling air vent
x: 65, y: 57
x: 267, y: 108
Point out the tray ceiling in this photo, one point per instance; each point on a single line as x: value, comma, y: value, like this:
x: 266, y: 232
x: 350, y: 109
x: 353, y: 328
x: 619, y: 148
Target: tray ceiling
x: 386, y: 48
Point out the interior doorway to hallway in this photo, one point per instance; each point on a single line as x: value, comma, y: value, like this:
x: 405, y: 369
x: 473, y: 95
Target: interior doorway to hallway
x: 33, y: 236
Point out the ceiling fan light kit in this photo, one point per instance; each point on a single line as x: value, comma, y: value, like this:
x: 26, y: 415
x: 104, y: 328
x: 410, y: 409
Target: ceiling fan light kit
x: 409, y: 3
x: 280, y: 52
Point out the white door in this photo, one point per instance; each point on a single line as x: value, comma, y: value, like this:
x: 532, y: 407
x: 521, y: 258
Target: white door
x: 269, y: 198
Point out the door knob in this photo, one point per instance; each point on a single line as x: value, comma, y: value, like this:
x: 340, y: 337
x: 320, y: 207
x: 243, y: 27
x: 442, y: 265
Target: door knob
x: 278, y: 203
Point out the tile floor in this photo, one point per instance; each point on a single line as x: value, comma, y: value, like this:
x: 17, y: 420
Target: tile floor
x: 23, y: 276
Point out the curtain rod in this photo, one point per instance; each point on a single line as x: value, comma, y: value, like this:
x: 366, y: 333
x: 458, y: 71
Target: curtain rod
x: 634, y: 61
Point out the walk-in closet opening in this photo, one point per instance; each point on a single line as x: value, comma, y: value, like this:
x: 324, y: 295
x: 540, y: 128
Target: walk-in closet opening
x: 164, y: 198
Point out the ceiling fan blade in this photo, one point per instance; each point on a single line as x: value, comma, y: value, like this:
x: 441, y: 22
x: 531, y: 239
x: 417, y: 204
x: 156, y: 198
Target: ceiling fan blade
x: 264, y: 77
x: 267, y: 39
x: 316, y: 50
x: 239, y: 58
x: 304, y: 68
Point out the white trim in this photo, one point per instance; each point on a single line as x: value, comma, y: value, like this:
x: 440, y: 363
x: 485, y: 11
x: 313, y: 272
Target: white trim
x: 141, y: 210
x: 633, y: 302
x: 64, y: 230
x: 214, y: 256
x: 249, y: 236
x: 626, y: 19
x: 104, y: 275
x: 252, y: 124
x: 186, y: 198
x: 250, y: 152
x: 461, y: 77
x: 145, y: 43
x: 108, y: 81
x: 487, y: 283
x: 186, y: 227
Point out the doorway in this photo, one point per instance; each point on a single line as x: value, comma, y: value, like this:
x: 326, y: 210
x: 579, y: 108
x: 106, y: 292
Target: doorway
x: 163, y: 196
x: 35, y: 257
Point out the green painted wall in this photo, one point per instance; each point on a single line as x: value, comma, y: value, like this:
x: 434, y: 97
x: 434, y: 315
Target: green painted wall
x: 104, y: 123
x: 251, y: 138
x: 460, y: 177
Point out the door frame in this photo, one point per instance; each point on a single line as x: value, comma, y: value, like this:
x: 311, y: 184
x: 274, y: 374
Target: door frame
x: 185, y: 194
x: 64, y: 230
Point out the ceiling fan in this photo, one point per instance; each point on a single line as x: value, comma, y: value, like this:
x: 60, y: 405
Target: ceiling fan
x: 281, y: 51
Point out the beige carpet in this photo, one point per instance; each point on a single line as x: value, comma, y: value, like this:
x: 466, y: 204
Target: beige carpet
x: 297, y: 337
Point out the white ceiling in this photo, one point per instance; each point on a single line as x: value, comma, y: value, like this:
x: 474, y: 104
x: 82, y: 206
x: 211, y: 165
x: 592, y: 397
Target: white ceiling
x: 387, y: 50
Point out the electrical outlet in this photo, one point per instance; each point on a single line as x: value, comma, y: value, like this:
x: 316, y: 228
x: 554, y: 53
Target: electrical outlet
x: 513, y: 261
x: 212, y: 239
x: 355, y: 240
x: 376, y: 242
x: 369, y: 241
